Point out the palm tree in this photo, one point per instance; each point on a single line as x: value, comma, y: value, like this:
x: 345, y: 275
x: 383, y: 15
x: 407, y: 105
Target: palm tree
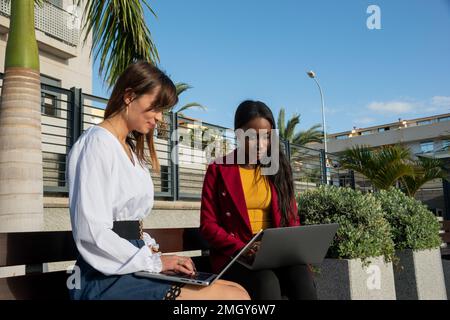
x: 183, y: 87
x: 425, y: 170
x: 163, y: 131
x: 287, y: 130
x: 21, y: 196
x: 313, y: 134
x: 383, y: 167
x: 119, y: 35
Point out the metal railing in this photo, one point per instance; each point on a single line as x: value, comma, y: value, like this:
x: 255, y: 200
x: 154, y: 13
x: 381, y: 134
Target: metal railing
x: 66, y: 114
x: 54, y: 21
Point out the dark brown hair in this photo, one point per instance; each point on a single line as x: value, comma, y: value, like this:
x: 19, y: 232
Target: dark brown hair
x: 142, y: 78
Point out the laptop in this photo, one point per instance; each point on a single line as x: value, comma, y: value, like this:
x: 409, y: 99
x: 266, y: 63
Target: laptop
x: 281, y: 247
x: 199, y: 278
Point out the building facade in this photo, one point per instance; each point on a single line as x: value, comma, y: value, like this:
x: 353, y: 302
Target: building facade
x: 64, y: 62
x: 428, y: 137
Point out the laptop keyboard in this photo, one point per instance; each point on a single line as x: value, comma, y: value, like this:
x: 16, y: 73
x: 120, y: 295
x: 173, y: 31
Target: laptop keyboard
x: 198, y: 276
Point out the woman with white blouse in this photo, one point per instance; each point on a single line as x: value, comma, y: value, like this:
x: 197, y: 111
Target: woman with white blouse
x: 111, y: 192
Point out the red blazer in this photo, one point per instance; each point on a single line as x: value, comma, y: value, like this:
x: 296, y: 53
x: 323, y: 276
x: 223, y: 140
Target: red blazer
x: 224, y: 220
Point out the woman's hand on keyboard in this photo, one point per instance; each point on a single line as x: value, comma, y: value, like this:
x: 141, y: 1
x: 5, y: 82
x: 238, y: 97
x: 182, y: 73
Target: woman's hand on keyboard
x: 177, y: 264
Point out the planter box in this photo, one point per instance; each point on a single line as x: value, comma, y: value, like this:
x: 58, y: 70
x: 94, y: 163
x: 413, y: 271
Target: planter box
x: 341, y: 279
x: 419, y: 275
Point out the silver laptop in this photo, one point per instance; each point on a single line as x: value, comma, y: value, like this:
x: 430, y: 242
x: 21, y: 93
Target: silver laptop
x: 281, y: 247
x: 200, y: 278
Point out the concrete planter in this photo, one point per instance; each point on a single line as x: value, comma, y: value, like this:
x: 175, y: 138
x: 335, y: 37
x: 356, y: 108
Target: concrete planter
x: 349, y: 280
x: 419, y: 275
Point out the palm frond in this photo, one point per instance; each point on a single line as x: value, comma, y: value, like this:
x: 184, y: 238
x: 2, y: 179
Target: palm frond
x: 390, y: 173
x: 290, y: 127
x: 383, y: 167
x: 281, y: 123
x: 359, y: 159
x: 120, y: 35
x: 182, y: 87
x: 392, y: 153
x: 192, y: 105
x: 307, y: 136
x: 425, y: 170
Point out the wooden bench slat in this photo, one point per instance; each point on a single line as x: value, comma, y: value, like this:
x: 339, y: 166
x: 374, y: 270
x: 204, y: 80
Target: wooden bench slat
x: 169, y: 240
x: 28, y: 248
x: 446, y: 225
x: 445, y: 237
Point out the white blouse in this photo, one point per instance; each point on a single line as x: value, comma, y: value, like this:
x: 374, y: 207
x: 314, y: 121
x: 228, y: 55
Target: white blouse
x: 105, y: 186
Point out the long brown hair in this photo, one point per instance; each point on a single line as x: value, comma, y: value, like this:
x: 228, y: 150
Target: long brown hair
x: 142, y: 78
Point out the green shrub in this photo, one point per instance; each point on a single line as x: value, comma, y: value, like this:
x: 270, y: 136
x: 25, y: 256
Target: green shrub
x: 413, y: 225
x: 363, y: 231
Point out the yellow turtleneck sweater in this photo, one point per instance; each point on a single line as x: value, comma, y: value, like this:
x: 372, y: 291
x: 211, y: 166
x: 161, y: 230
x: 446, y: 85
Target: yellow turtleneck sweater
x: 257, y: 197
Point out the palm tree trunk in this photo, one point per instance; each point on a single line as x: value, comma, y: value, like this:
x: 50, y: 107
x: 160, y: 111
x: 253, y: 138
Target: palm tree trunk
x: 21, y: 182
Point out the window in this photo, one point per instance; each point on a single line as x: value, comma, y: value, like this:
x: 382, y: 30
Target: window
x: 342, y: 137
x: 383, y: 129
x: 427, y: 146
x: 365, y: 133
x: 165, y: 179
x: 49, y: 105
x: 445, y: 144
x: 50, y: 100
x: 444, y: 119
x: 54, y: 168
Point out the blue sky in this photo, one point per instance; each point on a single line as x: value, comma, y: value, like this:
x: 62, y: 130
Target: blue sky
x: 234, y: 50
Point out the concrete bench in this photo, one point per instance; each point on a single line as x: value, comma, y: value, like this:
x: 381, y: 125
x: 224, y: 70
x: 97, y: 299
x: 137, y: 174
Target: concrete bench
x: 29, y: 260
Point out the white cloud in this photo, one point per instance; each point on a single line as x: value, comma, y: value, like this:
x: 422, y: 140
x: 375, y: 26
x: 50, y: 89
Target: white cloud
x: 392, y: 107
x: 441, y: 101
x: 364, y: 121
x: 436, y: 104
x: 378, y: 112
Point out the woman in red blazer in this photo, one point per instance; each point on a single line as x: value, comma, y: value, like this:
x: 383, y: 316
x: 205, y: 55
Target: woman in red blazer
x: 225, y: 221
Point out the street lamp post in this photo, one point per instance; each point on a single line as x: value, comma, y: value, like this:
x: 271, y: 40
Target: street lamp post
x: 312, y: 75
